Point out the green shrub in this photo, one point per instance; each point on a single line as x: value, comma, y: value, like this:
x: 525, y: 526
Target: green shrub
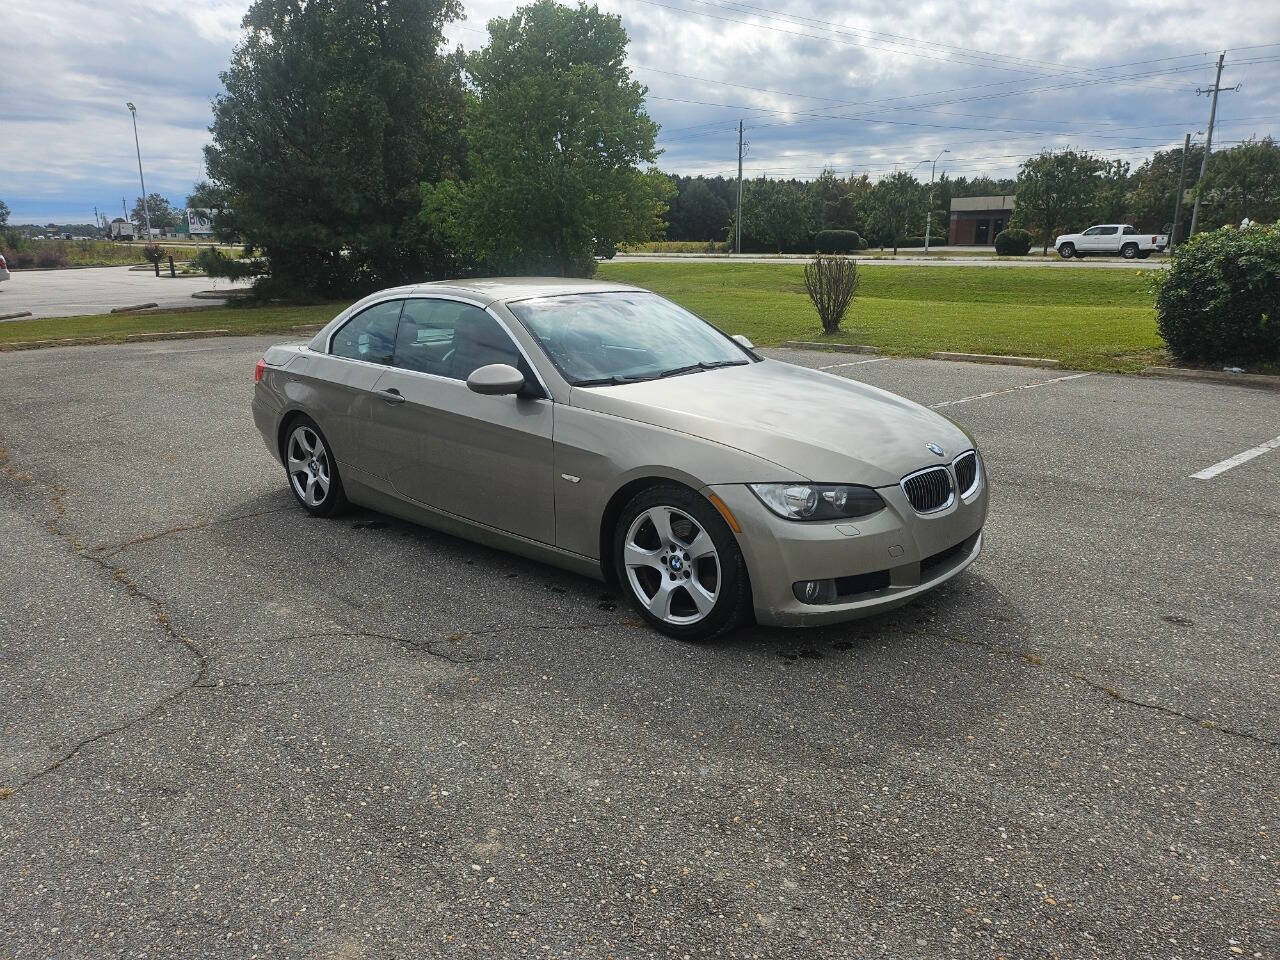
x: 1013, y: 242
x: 832, y: 283
x: 838, y: 241
x: 1220, y: 298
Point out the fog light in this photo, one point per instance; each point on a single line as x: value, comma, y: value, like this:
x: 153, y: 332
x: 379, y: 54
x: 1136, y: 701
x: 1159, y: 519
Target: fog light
x: 815, y: 591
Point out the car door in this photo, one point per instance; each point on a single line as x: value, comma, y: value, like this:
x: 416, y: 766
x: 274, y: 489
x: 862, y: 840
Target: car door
x: 1089, y: 240
x: 1108, y: 240
x: 485, y: 458
x: 340, y: 382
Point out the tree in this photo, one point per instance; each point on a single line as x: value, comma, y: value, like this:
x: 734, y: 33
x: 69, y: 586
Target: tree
x: 4, y: 215
x: 1243, y: 182
x: 1056, y: 191
x: 1153, y: 185
x: 698, y: 212
x: 333, y: 113
x: 162, y: 214
x: 556, y: 136
x: 894, y: 203
x: 1112, y: 204
x: 776, y: 214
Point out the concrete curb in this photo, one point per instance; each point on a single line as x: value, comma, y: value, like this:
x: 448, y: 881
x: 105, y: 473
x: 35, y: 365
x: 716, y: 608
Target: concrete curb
x: 220, y: 294
x: 128, y: 338
x: 832, y: 347
x: 1254, y: 381
x: 41, y: 344
x: 995, y: 358
x: 175, y: 335
x: 133, y: 307
x: 15, y: 316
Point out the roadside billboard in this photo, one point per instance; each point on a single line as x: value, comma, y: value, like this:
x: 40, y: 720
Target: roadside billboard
x: 199, y: 222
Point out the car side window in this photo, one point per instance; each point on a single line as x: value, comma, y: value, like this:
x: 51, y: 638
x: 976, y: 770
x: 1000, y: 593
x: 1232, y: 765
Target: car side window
x: 370, y: 335
x: 452, y: 339
x: 1129, y: 231
x: 1108, y: 231
x: 1092, y: 231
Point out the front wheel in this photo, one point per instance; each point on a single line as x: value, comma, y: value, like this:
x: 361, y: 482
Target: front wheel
x: 1067, y: 251
x: 1129, y: 251
x: 679, y: 563
x: 312, y: 470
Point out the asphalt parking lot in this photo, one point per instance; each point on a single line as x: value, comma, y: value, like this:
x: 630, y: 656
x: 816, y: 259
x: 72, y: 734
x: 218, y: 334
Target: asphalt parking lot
x: 231, y: 730
x: 70, y: 293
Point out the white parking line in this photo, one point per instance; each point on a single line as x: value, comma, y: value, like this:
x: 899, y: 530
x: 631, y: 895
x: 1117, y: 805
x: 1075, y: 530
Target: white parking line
x: 852, y: 363
x: 1208, y: 473
x: 996, y: 393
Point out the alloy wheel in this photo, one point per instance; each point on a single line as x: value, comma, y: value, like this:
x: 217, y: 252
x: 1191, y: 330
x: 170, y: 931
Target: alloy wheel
x: 309, y: 468
x: 672, y: 565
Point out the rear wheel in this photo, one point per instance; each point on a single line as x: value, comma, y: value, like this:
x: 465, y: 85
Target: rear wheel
x: 1129, y: 251
x: 311, y: 469
x: 679, y: 563
x: 1067, y: 251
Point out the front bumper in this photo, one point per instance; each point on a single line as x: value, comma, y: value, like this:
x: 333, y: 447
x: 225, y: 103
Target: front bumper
x: 888, y: 558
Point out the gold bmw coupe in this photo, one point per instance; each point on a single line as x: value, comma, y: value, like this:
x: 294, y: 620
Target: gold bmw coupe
x: 604, y: 429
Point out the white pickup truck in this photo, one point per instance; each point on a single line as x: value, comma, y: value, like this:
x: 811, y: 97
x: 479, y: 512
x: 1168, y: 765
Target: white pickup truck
x: 1110, y: 238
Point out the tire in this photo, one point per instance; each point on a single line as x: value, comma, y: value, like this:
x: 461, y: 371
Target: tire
x: 680, y: 565
x: 311, y: 469
x: 1129, y: 251
x: 1067, y: 251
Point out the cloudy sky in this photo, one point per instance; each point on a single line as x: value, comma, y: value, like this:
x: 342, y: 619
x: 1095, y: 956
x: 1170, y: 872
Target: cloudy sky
x: 867, y: 87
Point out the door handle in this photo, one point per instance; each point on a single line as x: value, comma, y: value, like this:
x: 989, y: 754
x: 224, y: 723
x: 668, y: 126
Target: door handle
x: 391, y: 395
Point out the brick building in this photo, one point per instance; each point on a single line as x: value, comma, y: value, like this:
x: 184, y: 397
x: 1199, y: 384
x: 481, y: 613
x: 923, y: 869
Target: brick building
x: 977, y: 220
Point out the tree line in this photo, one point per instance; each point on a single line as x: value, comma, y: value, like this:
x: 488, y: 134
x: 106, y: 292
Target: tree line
x: 1055, y: 192
x: 352, y: 149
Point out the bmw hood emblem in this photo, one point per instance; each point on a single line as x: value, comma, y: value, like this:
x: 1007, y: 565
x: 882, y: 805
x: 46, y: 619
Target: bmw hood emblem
x: 935, y: 449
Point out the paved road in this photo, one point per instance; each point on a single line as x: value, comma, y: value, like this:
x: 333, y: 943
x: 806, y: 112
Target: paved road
x: 69, y: 293
x: 230, y: 730
x: 1092, y: 263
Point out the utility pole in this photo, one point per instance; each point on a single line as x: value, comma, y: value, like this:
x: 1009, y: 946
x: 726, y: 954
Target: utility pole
x: 1177, y: 197
x: 928, y: 218
x: 133, y: 112
x: 737, y: 220
x: 1208, y: 139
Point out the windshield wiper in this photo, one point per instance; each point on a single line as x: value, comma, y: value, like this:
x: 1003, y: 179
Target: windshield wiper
x: 702, y: 365
x: 608, y: 381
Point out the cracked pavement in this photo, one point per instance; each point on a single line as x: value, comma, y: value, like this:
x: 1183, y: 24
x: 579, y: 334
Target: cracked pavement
x: 228, y: 729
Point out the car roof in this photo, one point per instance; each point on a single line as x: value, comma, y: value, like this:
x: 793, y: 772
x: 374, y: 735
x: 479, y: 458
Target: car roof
x: 508, y: 289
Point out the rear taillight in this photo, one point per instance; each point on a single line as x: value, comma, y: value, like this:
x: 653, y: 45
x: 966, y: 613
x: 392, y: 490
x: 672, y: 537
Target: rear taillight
x: 1153, y: 239
x: 258, y: 370
x: 3, y: 265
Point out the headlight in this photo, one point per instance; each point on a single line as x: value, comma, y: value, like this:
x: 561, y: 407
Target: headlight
x: 817, y: 501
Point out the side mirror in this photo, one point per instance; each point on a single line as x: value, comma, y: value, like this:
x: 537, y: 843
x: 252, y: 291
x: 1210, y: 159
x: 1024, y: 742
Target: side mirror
x: 743, y: 341
x: 496, y: 379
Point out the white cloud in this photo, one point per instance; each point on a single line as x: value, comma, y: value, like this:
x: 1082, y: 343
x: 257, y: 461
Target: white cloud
x: 1021, y: 77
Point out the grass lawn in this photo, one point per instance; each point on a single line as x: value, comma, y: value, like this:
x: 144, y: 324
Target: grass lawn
x: 117, y: 326
x: 1088, y: 319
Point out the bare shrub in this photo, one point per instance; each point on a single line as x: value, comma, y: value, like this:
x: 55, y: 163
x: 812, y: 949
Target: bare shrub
x: 832, y: 283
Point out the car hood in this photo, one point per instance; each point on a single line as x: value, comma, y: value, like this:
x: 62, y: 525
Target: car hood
x: 826, y: 428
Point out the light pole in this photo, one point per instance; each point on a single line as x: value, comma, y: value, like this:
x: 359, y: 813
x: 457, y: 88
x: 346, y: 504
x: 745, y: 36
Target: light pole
x: 133, y: 112
x: 928, y: 218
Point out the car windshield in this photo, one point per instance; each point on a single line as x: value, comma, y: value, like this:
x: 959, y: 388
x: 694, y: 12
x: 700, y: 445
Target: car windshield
x: 607, y: 338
